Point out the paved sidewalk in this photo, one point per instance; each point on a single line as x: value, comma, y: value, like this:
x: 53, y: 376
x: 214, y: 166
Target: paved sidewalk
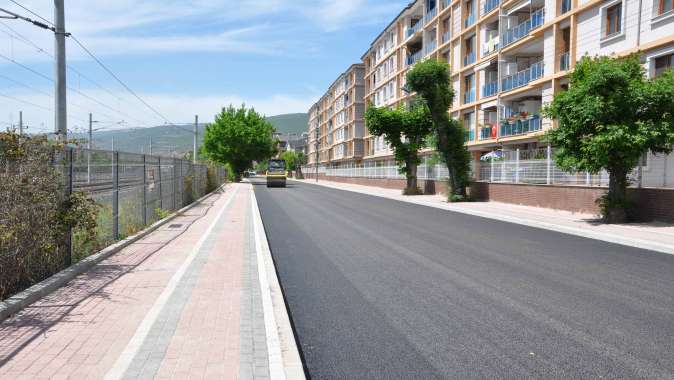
x: 655, y: 235
x: 184, y: 302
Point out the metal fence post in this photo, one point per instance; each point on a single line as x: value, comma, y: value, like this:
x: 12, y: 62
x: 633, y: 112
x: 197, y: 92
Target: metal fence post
x: 69, y: 191
x: 175, y: 185
x: 144, y: 191
x: 517, y: 166
x: 115, y: 195
x: 491, y: 170
x: 161, y: 196
x: 549, y: 165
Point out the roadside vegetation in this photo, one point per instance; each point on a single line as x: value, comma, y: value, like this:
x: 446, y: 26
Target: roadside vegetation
x: 431, y: 81
x: 36, y: 215
x: 404, y: 130
x: 610, y: 117
x: 294, y: 161
x: 237, y: 138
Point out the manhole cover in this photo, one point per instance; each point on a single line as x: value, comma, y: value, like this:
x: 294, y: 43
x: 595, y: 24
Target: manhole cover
x: 177, y: 225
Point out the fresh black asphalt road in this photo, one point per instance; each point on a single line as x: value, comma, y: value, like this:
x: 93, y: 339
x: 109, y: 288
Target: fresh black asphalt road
x: 380, y: 289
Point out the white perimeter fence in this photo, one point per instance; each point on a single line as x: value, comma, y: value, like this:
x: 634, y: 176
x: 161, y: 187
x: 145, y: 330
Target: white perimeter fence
x: 517, y: 166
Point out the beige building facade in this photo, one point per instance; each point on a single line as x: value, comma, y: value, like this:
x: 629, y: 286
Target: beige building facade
x: 336, y: 124
x: 507, y: 58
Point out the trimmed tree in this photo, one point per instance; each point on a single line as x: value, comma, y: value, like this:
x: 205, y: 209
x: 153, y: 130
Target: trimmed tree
x: 430, y: 79
x: 238, y: 137
x: 611, y: 115
x: 404, y: 130
x: 294, y: 161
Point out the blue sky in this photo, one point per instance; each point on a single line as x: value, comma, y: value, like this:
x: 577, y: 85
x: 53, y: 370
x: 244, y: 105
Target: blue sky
x: 187, y: 57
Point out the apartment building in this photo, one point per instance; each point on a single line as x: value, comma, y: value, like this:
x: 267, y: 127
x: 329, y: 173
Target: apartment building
x: 336, y: 124
x: 509, y: 58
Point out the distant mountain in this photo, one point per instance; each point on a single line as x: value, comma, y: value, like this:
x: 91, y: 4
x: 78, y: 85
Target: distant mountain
x: 290, y: 122
x: 177, y: 139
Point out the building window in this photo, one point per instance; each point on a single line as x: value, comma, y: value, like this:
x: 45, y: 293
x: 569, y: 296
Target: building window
x: 666, y: 62
x: 665, y: 6
x: 613, y: 20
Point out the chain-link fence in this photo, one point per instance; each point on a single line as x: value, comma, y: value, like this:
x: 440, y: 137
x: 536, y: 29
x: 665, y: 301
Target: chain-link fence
x: 129, y: 192
x: 135, y: 190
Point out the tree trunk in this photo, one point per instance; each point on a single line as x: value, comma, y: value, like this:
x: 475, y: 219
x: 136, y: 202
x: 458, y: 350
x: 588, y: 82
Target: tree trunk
x: 411, y: 188
x: 298, y: 173
x: 614, y: 207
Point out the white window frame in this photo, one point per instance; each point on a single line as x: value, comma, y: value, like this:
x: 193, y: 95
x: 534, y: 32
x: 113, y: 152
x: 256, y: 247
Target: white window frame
x: 651, y: 59
x: 602, y: 11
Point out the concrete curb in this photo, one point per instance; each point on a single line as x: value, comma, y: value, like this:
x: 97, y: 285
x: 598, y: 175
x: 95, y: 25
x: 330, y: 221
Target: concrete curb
x: 284, y: 357
x: 19, y: 301
x: 603, y: 236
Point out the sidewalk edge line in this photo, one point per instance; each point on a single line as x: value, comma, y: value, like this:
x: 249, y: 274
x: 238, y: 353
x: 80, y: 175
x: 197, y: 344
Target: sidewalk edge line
x: 602, y: 236
x: 284, y: 357
x: 124, y: 360
x: 25, y: 298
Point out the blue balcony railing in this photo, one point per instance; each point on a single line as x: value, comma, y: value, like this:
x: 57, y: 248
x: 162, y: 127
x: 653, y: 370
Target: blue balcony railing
x: 489, y: 5
x: 469, y: 135
x: 415, y: 28
x: 446, y: 4
x: 446, y: 37
x: 564, y: 61
x: 469, y: 58
x: 489, y: 89
x: 413, y: 58
x: 522, y: 30
x: 470, y: 20
x: 469, y: 96
x: 430, y: 47
x: 485, y: 133
x: 523, y: 77
x: 430, y: 15
x: 520, y: 127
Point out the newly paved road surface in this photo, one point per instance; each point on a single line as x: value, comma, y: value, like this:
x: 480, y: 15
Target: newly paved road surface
x: 389, y: 290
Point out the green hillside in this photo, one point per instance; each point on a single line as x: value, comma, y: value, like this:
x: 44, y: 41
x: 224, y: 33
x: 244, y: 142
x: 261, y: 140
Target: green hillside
x: 178, y: 139
x: 290, y: 123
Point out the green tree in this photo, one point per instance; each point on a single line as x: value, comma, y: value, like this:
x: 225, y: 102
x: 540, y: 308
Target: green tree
x: 609, y: 117
x: 294, y: 161
x: 237, y: 137
x: 404, y: 130
x: 430, y: 79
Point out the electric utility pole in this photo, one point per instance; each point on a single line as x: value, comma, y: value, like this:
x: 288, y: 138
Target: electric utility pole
x: 196, y: 135
x: 20, y: 123
x: 61, y: 119
x: 150, y: 145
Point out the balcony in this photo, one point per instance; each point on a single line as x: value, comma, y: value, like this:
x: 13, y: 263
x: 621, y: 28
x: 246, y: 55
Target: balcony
x: 522, y: 30
x: 485, y: 133
x: 469, y: 96
x: 411, y: 31
x: 521, y: 126
x: 489, y: 6
x: 470, y: 20
x: 490, y: 47
x: 446, y: 37
x: 468, y: 59
x: 430, y: 47
x: 564, y: 61
x: 469, y: 135
x: 430, y: 15
x: 523, y: 77
x: 566, y: 6
x: 413, y: 58
x: 489, y: 89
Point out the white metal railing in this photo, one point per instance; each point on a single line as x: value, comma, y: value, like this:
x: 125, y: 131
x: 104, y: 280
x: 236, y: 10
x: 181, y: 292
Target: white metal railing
x: 535, y: 166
